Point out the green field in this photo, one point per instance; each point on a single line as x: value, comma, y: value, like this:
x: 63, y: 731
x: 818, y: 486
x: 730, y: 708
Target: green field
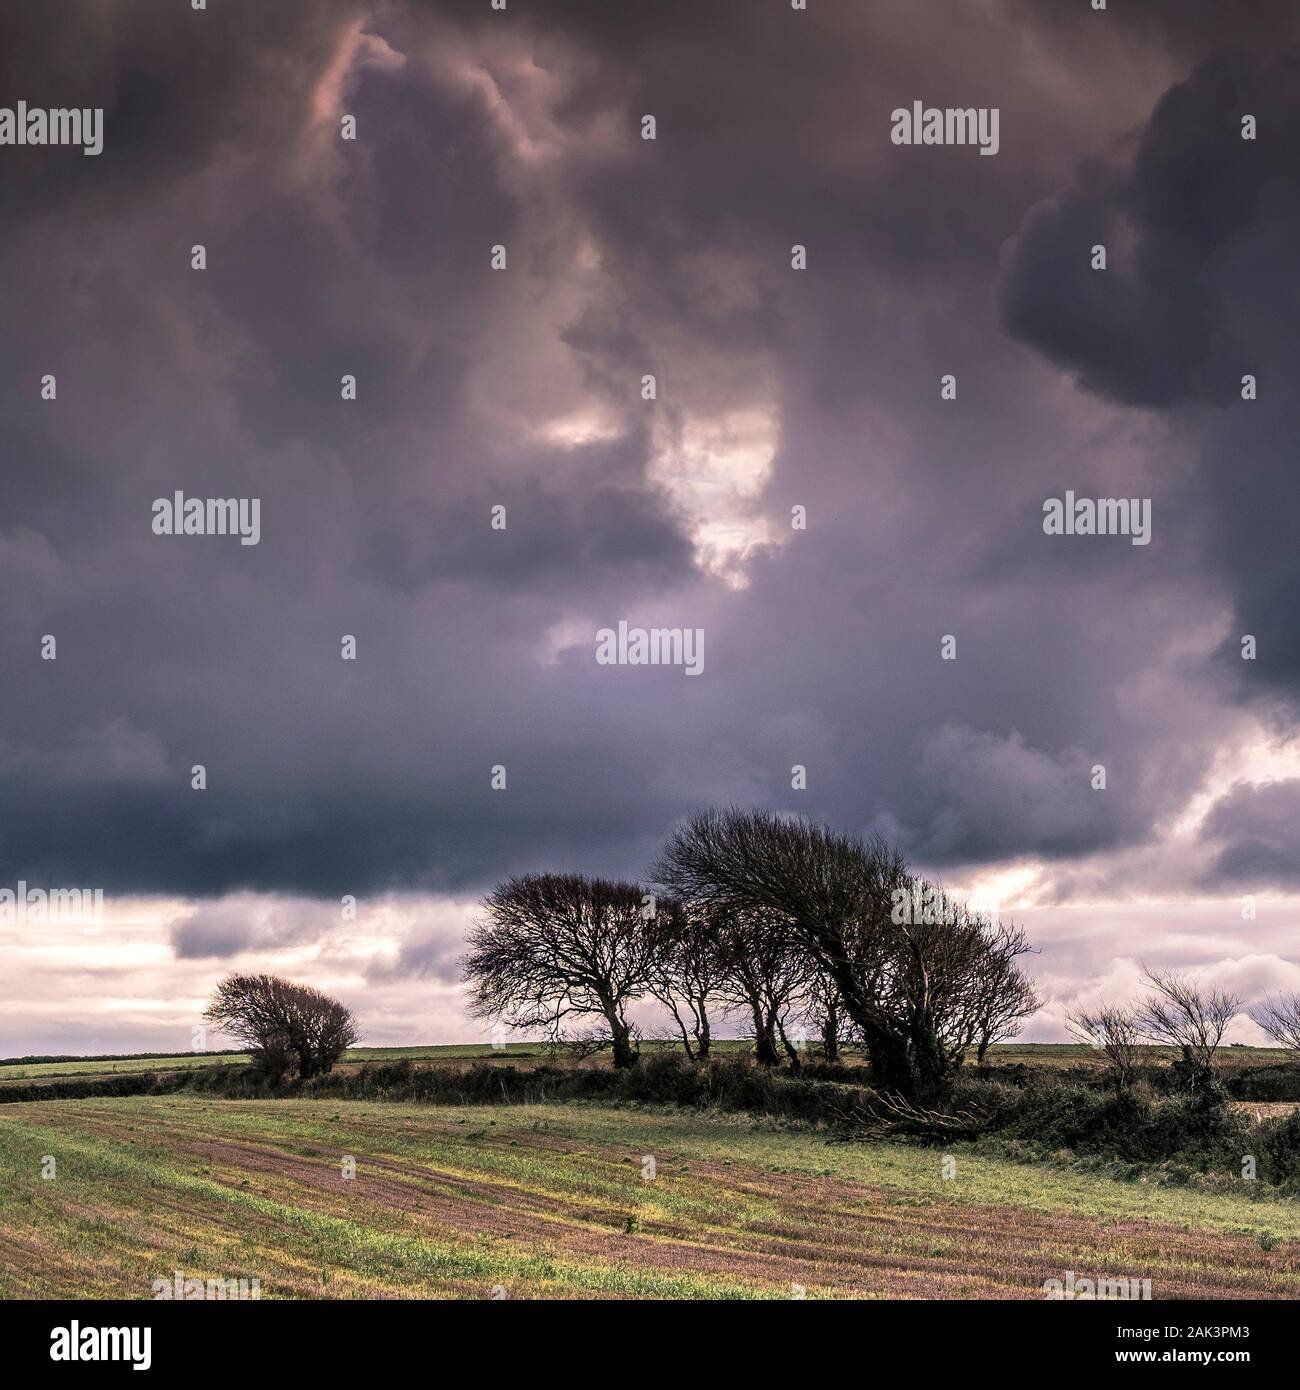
x: 526, y: 1053
x: 522, y: 1053
x: 99, y: 1066
x: 547, y: 1201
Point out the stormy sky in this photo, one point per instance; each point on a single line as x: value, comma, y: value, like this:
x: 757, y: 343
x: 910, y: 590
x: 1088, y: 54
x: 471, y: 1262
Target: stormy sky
x: 522, y: 388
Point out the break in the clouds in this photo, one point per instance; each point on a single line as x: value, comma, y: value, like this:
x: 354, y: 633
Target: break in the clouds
x: 524, y: 389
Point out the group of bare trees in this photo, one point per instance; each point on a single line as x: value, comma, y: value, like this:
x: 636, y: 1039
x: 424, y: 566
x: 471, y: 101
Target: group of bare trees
x: 1181, y: 1014
x: 789, y: 925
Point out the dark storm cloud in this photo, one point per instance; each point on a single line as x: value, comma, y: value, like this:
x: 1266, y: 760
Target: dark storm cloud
x: 1185, y: 30
x: 1200, y: 292
x: 1156, y: 326
x: 523, y: 388
x: 174, y: 84
x: 606, y: 528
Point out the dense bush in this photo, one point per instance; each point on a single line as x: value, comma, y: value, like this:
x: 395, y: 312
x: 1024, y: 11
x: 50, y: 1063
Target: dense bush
x: 1276, y: 1146
x: 661, y: 1079
x: 140, y: 1083
x: 996, y: 1102
x: 1262, y: 1083
x: 1134, y: 1125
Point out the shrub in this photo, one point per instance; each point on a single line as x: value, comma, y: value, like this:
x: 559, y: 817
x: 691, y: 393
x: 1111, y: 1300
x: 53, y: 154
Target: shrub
x: 1276, y: 1145
x: 1133, y: 1125
x: 143, y: 1083
x: 661, y: 1079
x: 1262, y: 1083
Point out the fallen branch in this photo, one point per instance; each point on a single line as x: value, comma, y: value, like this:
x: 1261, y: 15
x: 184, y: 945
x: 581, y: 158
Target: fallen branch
x: 887, y: 1115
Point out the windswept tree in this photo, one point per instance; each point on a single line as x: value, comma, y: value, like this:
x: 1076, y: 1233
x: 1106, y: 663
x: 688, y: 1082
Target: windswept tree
x: 1114, y: 1031
x: 765, y: 978
x: 554, y: 950
x: 686, y: 972
x: 1191, y: 1017
x: 829, y: 893
x: 956, y: 983
x: 1280, y: 1019
x: 284, y: 1025
x: 904, y: 977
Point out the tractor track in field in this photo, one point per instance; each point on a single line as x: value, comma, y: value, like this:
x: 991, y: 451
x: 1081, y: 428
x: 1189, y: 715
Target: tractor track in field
x: 832, y: 1235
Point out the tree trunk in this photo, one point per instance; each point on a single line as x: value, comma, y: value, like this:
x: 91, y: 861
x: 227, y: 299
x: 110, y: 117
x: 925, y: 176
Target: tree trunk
x: 889, y: 1057
x: 831, y: 1033
x: 890, y: 1063
x: 765, y: 1052
x: 791, y: 1051
x: 930, y: 1061
x: 624, y: 1054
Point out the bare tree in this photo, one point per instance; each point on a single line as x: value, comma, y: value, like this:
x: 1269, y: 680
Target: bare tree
x: 956, y: 980
x: 1113, y: 1030
x: 763, y: 976
x: 1185, y: 1015
x: 825, y: 1012
x: 686, y: 972
x: 1280, y: 1019
x: 558, y: 947
x: 1002, y: 995
x: 283, y: 1024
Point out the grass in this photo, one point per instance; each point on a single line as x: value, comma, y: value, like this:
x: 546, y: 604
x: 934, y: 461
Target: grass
x: 525, y: 1052
x: 1082, y: 1055
x: 551, y: 1201
x: 13, y: 1070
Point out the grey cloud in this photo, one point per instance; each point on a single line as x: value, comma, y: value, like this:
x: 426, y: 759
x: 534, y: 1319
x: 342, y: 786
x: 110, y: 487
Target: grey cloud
x: 1201, y: 294
x: 1155, y: 328
x: 432, y: 956
x: 326, y: 777
x: 235, y: 926
x: 175, y: 88
x: 985, y: 797
x: 1254, y: 835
